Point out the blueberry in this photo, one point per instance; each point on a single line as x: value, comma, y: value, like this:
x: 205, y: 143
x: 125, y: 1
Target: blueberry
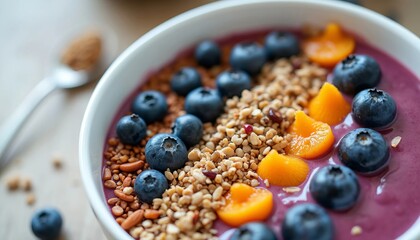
x: 307, y: 221
x: 281, y: 45
x: 150, y: 184
x: 208, y: 54
x: 355, y: 73
x: 364, y: 151
x: 46, y: 223
x: 248, y: 56
x: 189, y: 129
x: 185, y: 80
x: 165, y: 151
x: 232, y: 82
x: 335, y: 187
x: 131, y: 129
x: 253, y: 231
x: 204, y: 103
x: 374, y: 108
x: 150, y: 105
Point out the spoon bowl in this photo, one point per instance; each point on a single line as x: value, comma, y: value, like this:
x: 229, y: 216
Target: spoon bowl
x: 61, y: 77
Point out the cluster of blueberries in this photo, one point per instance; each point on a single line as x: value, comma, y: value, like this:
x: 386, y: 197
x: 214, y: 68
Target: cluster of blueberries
x: 169, y: 151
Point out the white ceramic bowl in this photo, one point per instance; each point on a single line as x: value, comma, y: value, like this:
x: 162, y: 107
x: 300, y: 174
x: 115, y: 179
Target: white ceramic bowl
x: 215, y: 20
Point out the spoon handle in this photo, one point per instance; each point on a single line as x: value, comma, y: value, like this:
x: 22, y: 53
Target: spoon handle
x: 11, y: 126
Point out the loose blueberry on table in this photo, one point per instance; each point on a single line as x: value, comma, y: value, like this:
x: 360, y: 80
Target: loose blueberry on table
x: 46, y: 223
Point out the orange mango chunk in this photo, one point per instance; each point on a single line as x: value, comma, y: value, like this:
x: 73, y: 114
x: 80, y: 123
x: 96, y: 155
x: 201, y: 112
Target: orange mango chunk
x: 246, y: 204
x: 330, y: 47
x: 329, y: 106
x: 310, y: 138
x: 283, y: 170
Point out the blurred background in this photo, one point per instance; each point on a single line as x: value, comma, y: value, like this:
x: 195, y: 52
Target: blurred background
x: 45, y: 154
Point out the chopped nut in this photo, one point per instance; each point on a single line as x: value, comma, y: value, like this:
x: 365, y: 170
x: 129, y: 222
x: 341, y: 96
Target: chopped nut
x: 395, y: 141
x: 356, y: 230
x: 291, y: 189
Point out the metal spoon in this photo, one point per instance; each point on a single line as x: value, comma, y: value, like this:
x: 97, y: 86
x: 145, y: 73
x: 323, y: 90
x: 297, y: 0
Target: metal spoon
x: 62, y: 77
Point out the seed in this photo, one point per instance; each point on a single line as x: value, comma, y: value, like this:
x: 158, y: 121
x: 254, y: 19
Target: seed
x: 356, y: 230
x: 133, y: 219
x: 110, y: 184
x: 395, y: 141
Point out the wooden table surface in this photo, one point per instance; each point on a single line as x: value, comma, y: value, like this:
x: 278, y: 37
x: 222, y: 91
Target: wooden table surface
x: 28, y: 32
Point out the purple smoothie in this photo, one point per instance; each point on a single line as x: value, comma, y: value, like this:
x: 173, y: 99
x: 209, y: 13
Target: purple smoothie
x: 390, y: 202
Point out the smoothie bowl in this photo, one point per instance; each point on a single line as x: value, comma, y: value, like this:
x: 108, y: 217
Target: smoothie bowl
x: 272, y: 119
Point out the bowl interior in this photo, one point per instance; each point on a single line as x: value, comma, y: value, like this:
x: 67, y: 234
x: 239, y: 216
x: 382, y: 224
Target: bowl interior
x: 161, y: 44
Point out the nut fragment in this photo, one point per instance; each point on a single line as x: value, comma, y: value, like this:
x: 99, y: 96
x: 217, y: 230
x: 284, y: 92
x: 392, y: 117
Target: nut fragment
x: 131, y: 167
x: 133, y: 219
x: 356, y: 230
x: 395, y: 141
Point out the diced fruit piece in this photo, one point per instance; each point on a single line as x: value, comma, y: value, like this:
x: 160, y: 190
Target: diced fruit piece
x: 329, y: 106
x: 165, y: 151
x: 208, y: 54
x: 189, y: 129
x: 364, y: 151
x: 307, y: 221
x: 46, y: 223
x: 131, y: 129
x: 185, y: 80
x: 204, y: 103
x: 283, y: 170
x: 248, y: 56
x: 253, y: 231
x: 246, y: 204
x: 374, y: 108
x: 150, y: 105
x: 335, y: 187
x: 281, y: 45
x: 330, y: 47
x: 150, y: 184
x: 248, y: 128
x: 355, y: 73
x: 310, y: 138
x: 232, y: 82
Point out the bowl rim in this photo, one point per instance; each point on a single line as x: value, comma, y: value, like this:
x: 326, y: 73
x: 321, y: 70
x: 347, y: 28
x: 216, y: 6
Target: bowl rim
x: 99, y: 207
